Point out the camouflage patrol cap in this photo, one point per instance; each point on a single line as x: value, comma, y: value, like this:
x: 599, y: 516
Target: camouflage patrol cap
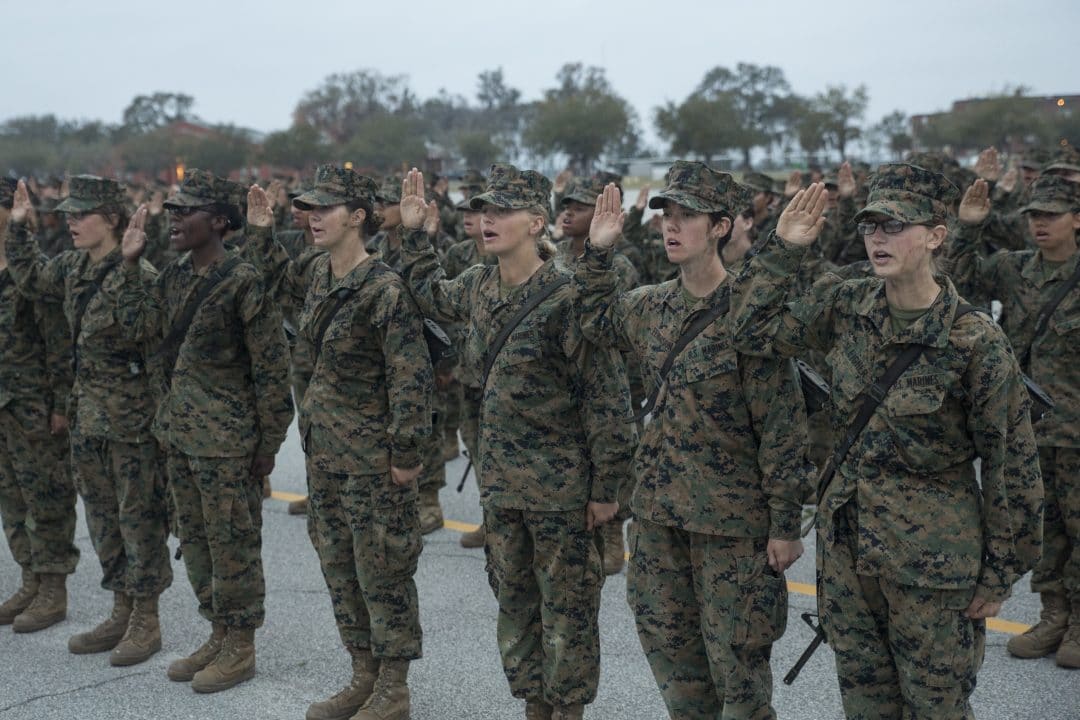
x: 1053, y: 194
x: 933, y: 161
x: 758, y: 182
x: 389, y: 191
x: 583, y: 190
x: 89, y: 192
x: 607, y: 176
x: 697, y: 186
x: 831, y: 178
x: 508, y: 187
x: 7, y: 192
x: 472, y: 180
x: 48, y: 205
x: 909, y: 193
x: 336, y: 186
x: 201, y: 188
x: 1035, y: 158
x: 1067, y: 160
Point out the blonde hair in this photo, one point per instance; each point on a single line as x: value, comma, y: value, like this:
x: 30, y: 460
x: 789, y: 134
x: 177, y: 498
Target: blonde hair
x: 544, y: 245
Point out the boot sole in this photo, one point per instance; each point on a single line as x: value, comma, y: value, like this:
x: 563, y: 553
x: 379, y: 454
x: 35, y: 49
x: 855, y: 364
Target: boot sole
x: 40, y: 625
x: 128, y: 660
x: 177, y: 676
x: 224, y: 685
x: 93, y: 649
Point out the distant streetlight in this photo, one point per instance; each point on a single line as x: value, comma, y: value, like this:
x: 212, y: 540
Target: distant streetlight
x: 1061, y: 102
x: 348, y: 165
x: 180, y: 172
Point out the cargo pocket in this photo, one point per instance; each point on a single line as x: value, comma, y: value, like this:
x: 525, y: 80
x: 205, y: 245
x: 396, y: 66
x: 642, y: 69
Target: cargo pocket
x: 954, y: 651
x: 236, y: 505
x: 396, y: 541
x: 759, y: 615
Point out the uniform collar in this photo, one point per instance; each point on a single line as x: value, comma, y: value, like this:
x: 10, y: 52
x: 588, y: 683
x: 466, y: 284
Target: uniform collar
x: 932, y: 329
x: 1032, y: 270
x: 547, y: 273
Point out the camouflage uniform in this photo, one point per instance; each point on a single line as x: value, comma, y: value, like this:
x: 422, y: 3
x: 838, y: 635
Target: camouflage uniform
x: 719, y: 471
x: 115, y: 458
x: 1024, y: 282
x: 227, y: 402
x: 37, y: 499
x: 906, y: 538
x: 551, y: 440
x: 367, y: 407
x: 585, y: 191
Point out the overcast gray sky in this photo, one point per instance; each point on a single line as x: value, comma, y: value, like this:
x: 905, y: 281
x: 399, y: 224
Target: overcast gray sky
x: 249, y: 62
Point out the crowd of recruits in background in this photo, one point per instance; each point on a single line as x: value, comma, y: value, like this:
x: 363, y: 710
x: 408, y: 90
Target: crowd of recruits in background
x: 721, y: 472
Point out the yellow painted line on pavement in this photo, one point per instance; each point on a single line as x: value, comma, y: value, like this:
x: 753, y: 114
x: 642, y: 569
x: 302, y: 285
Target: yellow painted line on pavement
x: 996, y: 624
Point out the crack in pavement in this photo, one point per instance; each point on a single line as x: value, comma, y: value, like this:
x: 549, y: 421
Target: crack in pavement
x: 91, y: 686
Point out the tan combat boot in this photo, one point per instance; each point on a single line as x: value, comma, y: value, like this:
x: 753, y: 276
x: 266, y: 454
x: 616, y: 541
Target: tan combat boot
x: 233, y: 665
x: 390, y: 698
x: 1068, y: 652
x: 21, y: 599
x: 184, y: 669
x: 567, y: 712
x: 348, y: 700
x: 473, y: 538
x: 108, y: 633
x: 614, y: 552
x: 143, y: 636
x: 298, y: 507
x: 1045, y: 637
x: 537, y: 710
x: 267, y: 489
x: 47, y: 608
x: 431, y: 517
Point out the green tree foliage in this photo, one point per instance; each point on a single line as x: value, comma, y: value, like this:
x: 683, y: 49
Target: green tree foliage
x: 146, y: 113
x: 840, y: 110
x: 386, y: 141
x: 1005, y: 120
x: 891, y: 134
x: 582, y: 118
x: 44, y: 144
x: 753, y: 99
x: 340, y: 106
x: 699, y: 126
x: 301, y: 147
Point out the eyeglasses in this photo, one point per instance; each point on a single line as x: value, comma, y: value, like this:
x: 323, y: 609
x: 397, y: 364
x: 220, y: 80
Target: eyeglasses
x: 889, y: 227
x: 187, y: 211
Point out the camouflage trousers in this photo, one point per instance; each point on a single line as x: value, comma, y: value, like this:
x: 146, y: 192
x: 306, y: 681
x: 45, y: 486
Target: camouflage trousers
x: 1058, y: 569
x: 901, y: 652
x: 366, y: 530
x: 708, y: 609
x: 123, y: 489
x: 219, y: 519
x: 37, y: 498
x: 545, y: 570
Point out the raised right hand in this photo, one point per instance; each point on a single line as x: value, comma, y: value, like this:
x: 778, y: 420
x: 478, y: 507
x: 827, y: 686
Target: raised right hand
x: 134, y: 243
x: 642, y: 198
x: 413, y: 207
x: 803, y: 218
x: 561, y: 180
x: 793, y: 184
x: 259, y: 212
x: 607, y: 221
x: 975, y: 206
x: 21, y: 207
x: 988, y: 166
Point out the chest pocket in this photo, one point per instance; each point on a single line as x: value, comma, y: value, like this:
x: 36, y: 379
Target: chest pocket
x: 523, y: 346
x: 849, y: 380
x: 98, y: 317
x: 1068, y: 324
x: 920, y: 394
x: 707, y: 360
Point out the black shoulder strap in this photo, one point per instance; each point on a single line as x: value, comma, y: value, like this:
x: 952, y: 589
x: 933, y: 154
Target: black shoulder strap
x: 872, y: 398
x: 1042, y: 319
x: 169, y: 350
x: 88, y: 293
x: 341, y: 296
x: 702, y: 320
x: 82, y: 302
x: 542, y: 294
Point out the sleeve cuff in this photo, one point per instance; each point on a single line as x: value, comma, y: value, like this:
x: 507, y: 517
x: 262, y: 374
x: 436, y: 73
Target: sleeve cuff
x: 405, y: 456
x: 604, y: 490
x: 415, y: 240
x: 781, y: 257
x: 598, y: 258
x: 786, y: 523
